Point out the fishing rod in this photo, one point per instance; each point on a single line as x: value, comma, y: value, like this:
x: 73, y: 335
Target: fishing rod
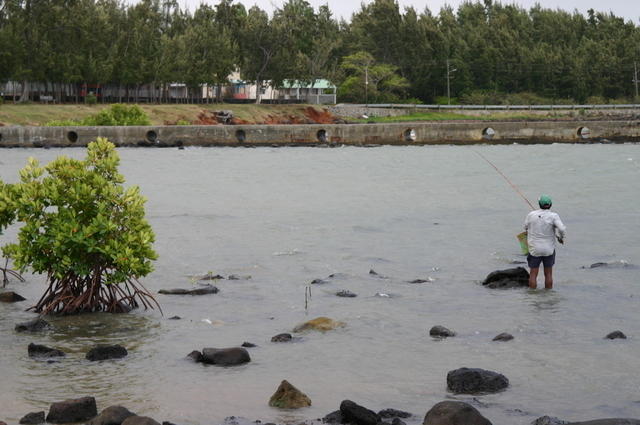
x: 506, y: 179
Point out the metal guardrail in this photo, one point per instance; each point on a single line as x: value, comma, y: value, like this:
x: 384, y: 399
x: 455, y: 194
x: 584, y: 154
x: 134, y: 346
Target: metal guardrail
x: 488, y: 107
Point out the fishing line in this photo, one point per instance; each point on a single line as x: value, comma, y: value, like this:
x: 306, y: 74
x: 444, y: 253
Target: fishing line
x: 506, y: 179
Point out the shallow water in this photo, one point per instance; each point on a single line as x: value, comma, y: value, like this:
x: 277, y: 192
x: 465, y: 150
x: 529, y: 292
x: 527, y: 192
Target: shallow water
x: 287, y: 216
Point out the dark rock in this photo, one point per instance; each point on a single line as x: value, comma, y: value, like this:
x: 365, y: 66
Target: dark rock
x: 35, y: 325
x: 509, y: 278
x: 140, y: 420
x: 174, y: 318
x: 503, y: 337
x: 283, y: 337
x: 33, y: 418
x: 112, y: 415
x: 11, y: 297
x: 608, y: 421
x: 376, y: 274
x: 318, y: 282
x: 471, y: 381
x: 346, y: 294
x: 105, y: 352
x: 210, y: 276
x: 596, y: 265
x: 616, y: 335
x: 289, y: 397
x: 441, y: 332
x: 454, y: 413
x: 36, y: 350
x: 72, y: 410
x: 398, y: 421
x: 195, y: 355
x: 238, y: 277
x: 167, y: 423
x: 333, y: 418
x: 418, y: 281
x: 204, y: 290
x: 393, y: 413
x: 548, y: 420
x: 3, y: 423
x: 248, y: 344
x: 357, y: 415
x: 225, y: 356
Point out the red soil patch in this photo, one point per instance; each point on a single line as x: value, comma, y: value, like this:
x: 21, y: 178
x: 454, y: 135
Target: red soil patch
x: 206, y: 118
x: 320, y: 116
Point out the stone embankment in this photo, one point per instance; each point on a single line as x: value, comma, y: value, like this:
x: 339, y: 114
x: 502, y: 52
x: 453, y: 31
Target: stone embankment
x: 414, y: 133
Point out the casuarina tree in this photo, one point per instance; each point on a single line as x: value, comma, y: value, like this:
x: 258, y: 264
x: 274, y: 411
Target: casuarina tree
x: 85, y: 231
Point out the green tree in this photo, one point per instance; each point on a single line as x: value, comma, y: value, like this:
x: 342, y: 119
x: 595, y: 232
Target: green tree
x: 368, y: 81
x: 83, y: 230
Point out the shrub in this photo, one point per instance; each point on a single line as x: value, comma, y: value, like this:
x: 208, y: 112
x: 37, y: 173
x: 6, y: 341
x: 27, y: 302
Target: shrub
x: 119, y: 114
x: 84, y: 231
x: 63, y: 123
x: 182, y: 122
x: 90, y: 99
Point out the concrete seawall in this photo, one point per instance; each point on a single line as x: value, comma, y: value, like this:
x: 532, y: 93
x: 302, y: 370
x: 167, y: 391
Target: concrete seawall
x: 418, y: 133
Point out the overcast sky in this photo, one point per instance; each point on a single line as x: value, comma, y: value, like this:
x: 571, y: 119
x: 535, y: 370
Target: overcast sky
x: 629, y: 9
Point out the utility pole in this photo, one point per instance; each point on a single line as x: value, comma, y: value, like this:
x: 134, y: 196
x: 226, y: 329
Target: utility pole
x: 635, y: 78
x: 449, y: 72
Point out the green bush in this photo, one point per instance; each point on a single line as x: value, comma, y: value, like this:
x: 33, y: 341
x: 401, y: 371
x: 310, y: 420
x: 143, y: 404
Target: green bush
x: 115, y: 115
x: 183, y: 122
x: 63, y: 123
x: 90, y: 99
x: 82, y: 229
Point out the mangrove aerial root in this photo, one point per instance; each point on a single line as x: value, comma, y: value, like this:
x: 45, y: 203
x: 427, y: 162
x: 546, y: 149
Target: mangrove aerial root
x: 73, y: 294
x: 7, y: 271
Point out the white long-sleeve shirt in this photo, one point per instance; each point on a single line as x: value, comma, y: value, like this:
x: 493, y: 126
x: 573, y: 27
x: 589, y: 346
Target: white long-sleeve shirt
x: 541, y: 226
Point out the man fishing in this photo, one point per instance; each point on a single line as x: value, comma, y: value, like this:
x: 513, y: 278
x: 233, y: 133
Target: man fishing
x: 543, y: 227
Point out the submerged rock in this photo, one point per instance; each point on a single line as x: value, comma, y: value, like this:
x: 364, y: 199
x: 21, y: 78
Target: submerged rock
x: 441, y: 332
x: 376, y: 274
x: 357, y: 415
x: 238, y: 277
x: 346, y: 294
x: 204, y: 290
x: 106, y: 352
x: 473, y: 381
x: 454, y: 413
x: 322, y: 324
x: 393, y: 413
x: 503, y: 337
x: 510, y: 278
x: 36, y: 350
x: 616, y: 335
x: 11, y: 297
x: 33, y: 418
x: 333, y: 418
x: 289, y: 397
x: 140, y: 420
x: 283, y: 337
x: 112, y: 415
x: 35, y: 325
x: 248, y: 344
x: 195, y: 355
x: 318, y: 282
x: 174, y: 318
x: 72, y: 410
x: 548, y: 420
x: 225, y: 356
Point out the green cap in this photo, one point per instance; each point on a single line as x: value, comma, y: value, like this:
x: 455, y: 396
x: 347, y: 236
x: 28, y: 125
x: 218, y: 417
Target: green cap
x: 544, y: 200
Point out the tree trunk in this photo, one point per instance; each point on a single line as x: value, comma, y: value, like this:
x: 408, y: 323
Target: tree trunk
x: 24, y: 97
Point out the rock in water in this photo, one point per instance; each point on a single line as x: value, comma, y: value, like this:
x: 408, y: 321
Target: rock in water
x: 393, y: 413
x: 140, y: 420
x: 616, y: 335
x: 503, y: 337
x: 112, y: 415
x: 204, y: 290
x: 225, y: 356
x: 357, y: 415
x: 454, y: 413
x: 105, y: 352
x: 11, y: 297
x: 346, y: 294
x: 510, y: 278
x: 548, y: 420
x: 608, y: 421
x: 35, y: 325
x: 283, y: 337
x: 319, y: 324
x: 72, y: 410
x: 36, y: 350
x: 473, y: 381
x: 331, y: 418
x: 441, y: 332
x: 33, y: 418
x: 289, y: 397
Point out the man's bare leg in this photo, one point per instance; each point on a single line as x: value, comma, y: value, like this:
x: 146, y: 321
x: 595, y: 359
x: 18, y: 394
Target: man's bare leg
x: 548, y: 277
x: 533, y: 278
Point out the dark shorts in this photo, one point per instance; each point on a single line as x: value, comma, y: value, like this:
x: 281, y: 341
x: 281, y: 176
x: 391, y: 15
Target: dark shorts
x: 548, y: 261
